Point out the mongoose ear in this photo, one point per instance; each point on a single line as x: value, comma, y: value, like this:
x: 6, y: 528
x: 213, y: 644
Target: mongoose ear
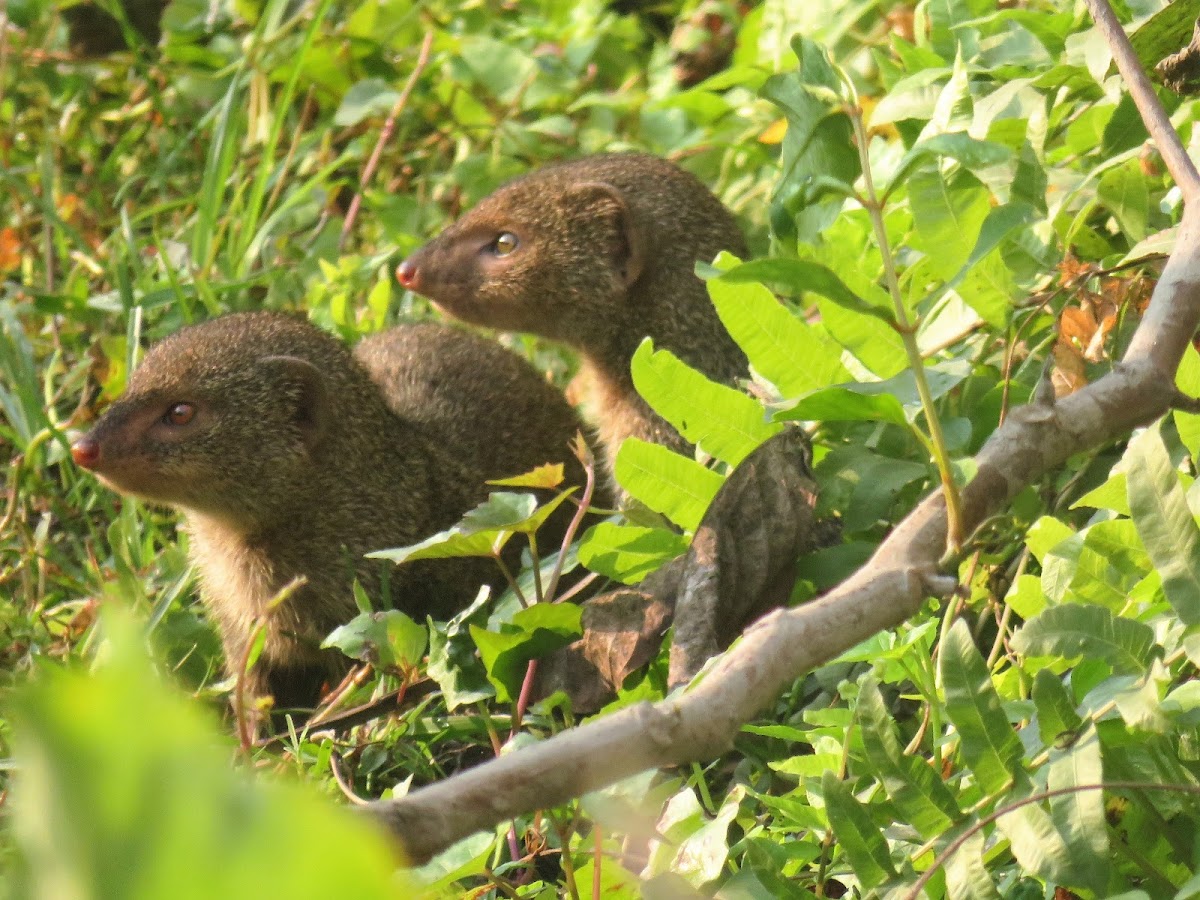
x: 312, y: 404
x: 629, y: 256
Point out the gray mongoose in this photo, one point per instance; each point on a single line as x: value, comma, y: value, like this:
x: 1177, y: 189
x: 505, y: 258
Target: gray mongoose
x: 598, y: 252
x: 286, y: 461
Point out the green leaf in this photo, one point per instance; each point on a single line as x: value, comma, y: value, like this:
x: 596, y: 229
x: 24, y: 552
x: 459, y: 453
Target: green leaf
x: 920, y: 795
x: 1108, y: 566
x: 966, y: 875
x: 108, y: 807
x: 482, y: 531
x: 547, y: 477
x: 1079, y: 817
x: 972, y: 153
x: 384, y: 639
x: 895, y: 400
x: 984, y: 281
x: 948, y: 216
x: 846, y: 404
x: 534, y: 632
x: 679, y: 488
x: 453, y: 662
x: 499, y: 68
x: 1075, y: 630
x: 1113, y: 494
x: 1045, y: 534
x: 775, y: 341
x: 1127, y: 195
x: 989, y: 745
x: 1057, y: 717
x: 1035, y: 841
x: 816, y: 147
x: 702, y: 854
x: 366, y: 98
x: 1165, y: 523
x: 628, y: 553
x: 876, y: 345
x: 1165, y: 32
x: 858, y: 837
x: 1025, y: 596
x: 722, y: 421
x: 865, y: 485
x: 805, y: 276
x: 1187, y: 379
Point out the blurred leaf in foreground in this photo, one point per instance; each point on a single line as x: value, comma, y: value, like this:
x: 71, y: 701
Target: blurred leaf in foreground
x: 123, y: 790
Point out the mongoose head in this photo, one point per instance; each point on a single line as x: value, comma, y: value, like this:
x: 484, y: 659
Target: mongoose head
x: 222, y: 418
x: 555, y: 253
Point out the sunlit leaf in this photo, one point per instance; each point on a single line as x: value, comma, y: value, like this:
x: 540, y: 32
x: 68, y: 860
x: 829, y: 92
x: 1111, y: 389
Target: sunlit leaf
x: 628, y: 553
x: 858, y: 837
x: 989, y: 745
x: 722, y: 421
x: 679, y: 488
x: 1165, y: 523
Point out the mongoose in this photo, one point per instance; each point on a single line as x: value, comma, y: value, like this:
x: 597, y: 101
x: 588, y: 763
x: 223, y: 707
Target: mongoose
x: 287, y: 460
x: 599, y: 253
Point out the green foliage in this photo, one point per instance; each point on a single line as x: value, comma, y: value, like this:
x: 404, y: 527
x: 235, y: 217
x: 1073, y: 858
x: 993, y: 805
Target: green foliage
x: 1014, y: 198
x: 108, y: 807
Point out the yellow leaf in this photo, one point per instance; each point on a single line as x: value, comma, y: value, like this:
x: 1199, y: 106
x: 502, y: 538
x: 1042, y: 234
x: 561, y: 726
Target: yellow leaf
x: 548, y: 476
x: 774, y: 132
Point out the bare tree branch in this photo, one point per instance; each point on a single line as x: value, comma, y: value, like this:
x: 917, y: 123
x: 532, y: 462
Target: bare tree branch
x: 702, y: 721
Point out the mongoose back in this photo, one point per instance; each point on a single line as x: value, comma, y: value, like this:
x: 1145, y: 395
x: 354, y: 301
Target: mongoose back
x: 485, y: 403
x: 287, y: 461
x: 599, y: 253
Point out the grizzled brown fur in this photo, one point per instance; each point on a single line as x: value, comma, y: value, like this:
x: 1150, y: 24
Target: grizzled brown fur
x: 599, y: 253
x: 480, y: 400
x: 287, y: 461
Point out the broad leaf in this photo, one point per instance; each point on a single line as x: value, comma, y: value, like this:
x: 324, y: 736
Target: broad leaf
x: 722, y: 421
x: 989, y: 745
x: 783, y: 349
x: 1057, y: 718
x: 1165, y: 523
x: 816, y: 147
x: 1075, y: 630
x: 532, y: 633
x: 628, y: 553
x: 858, y: 837
x: 1079, y: 817
x: 679, y: 488
x: 911, y: 783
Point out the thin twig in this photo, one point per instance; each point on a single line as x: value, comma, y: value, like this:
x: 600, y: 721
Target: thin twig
x: 957, y: 843
x: 584, y: 454
x: 385, y: 135
x: 338, y: 776
x: 281, y: 178
x: 907, y: 330
x: 523, y: 698
x: 367, y: 712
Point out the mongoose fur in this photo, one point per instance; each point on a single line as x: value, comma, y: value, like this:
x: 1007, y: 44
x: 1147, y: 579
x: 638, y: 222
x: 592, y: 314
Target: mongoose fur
x: 287, y: 460
x: 598, y: 253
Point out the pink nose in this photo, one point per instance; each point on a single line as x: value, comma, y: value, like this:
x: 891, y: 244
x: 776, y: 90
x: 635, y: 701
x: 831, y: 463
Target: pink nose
x: 86, y: 452
x: 407, y: 275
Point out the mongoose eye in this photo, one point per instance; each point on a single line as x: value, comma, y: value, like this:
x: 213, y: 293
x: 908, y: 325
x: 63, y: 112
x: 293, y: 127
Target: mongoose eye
x: 180, y: 414
x: 505, y: 244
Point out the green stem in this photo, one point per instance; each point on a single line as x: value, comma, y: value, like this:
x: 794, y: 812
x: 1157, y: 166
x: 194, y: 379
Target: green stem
x: 908, y: 334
